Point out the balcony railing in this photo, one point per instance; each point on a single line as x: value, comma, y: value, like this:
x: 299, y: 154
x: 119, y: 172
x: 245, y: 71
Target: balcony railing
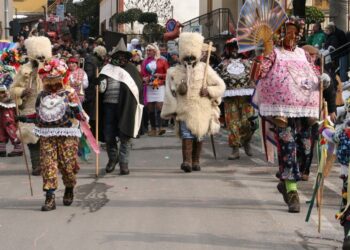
x: 213, y: 25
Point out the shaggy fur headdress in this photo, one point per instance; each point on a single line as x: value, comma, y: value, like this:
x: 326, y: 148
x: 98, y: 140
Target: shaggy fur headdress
x: 38, y: 47
x: 100, y: 51
x: 190, y: 44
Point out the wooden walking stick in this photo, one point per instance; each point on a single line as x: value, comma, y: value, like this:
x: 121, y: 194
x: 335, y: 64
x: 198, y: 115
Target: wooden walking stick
x: 23, y: 149
x: 97, y: 125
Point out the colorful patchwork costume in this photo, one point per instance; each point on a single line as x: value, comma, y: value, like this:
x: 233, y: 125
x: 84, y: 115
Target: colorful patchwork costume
x: 57, y: 125
x: 8, y: 126
x: 239, y: 113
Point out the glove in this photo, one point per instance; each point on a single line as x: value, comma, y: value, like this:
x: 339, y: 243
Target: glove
x: 204, y: 92
x: 19, y: 118
x: 259, y: 49
x: 325, y: 80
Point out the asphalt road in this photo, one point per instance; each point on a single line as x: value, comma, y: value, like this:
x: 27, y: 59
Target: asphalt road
x: 228, y: 205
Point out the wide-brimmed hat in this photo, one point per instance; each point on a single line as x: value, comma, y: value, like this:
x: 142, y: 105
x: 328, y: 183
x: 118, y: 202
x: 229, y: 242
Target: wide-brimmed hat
x: 120, y: 49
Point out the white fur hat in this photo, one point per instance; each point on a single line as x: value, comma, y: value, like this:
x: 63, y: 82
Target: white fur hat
x: 190, y: 44
x: 38, y: 46
x: 100, y: 51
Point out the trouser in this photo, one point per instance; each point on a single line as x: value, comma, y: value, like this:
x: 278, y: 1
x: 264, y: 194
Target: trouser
x: 238, y: 112
x: 154, y: 109
x: 34, y: 151
x: 111, y: 131
x: 59, y: 153
x: 294, y: 147
x: 8, y: 126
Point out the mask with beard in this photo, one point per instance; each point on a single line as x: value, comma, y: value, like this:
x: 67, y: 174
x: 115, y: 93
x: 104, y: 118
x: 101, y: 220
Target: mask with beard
x: 190, y: 61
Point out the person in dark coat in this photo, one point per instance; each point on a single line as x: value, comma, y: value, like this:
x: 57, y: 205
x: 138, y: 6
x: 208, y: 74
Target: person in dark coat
x: 121, y: 85
x: 92, y: 67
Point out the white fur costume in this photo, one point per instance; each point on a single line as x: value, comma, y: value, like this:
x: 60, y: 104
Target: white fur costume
x: 201, y: 114
x: 27, y: 77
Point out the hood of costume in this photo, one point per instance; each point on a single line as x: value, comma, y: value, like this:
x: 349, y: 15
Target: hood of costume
x: 200, y: 114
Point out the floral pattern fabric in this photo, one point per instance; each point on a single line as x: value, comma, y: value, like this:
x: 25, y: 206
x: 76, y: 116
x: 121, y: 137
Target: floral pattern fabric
x: 295, y: 146
x: 238, y: 110
x: 58, y: 153
x: 289, y: 85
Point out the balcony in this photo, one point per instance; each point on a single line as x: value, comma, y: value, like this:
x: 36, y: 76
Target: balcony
x: 215, y: 25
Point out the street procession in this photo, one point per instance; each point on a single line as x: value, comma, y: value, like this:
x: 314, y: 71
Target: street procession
x: 199, y: 124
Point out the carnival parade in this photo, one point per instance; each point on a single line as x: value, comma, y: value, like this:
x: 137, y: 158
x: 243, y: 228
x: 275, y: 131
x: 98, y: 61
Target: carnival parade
x: 175, y: 138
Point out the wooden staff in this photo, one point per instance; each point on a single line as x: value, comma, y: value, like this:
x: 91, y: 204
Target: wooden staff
x: 323, y: 105
x: 97, y: 125
x: 23, y: 149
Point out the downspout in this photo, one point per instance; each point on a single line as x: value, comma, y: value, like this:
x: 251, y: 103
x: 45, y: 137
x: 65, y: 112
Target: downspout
x: 6, y: 12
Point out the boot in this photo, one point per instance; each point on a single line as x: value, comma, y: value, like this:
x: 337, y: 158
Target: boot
x: 124, y: 169
x: 152, y: 132
x: 17, y: 151
x: 281, y: 186
x: 293, y: 202
x: 247, y: 148
x: 2, y: 149
x: 161, y: 131
x: 34, y: 151
x: 68, y: 196
x: 113, y: 156
x: 50, y: 203
x: 187, y: 155
x: 196, y: 152
x: 235, y: 153
x: 346, y: 243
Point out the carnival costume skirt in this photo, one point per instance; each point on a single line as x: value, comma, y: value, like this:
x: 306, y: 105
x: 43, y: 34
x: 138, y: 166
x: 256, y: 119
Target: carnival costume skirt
x: 155, y: 95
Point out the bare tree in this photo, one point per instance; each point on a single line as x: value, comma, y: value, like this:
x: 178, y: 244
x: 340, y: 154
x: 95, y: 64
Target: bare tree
x: 161, y: 7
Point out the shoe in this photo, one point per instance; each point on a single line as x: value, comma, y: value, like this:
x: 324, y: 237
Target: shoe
x: 153, y: 132
x: 278, y: 175
x: 113, y: 157
x: 3, y: 154
x: 36, y: 171
x: 14, y: 154
x: 68, y: 196
x: 50, y: 203
x: 304, y: 177
x: 196, y: 152
x: 161, y: 131
x: 235, y: 154
x: 186, y: 167
x: 247, y: 149
x: 293, y: 202
x: 281, y: 186
x: 346, y: 243
x: 123, y: 169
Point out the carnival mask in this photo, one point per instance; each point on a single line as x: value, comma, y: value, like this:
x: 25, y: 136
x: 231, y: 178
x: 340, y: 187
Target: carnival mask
x: 190, y: 60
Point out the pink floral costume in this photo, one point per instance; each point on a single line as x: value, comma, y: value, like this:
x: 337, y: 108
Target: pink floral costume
x: 289, y: 87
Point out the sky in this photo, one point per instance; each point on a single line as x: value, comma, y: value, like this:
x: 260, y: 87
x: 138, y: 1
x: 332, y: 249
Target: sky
x: 185, y: 10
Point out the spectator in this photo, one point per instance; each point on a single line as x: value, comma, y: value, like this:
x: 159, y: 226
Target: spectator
x: 318, y: 37
x: 85, y: 30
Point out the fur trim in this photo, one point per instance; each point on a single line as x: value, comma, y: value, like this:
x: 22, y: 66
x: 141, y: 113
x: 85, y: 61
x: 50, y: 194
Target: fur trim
x: 170, y: 102
x: 27, y: 133
x: 190, y: 44
x: 38, y: 47
x: 100, y: 51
